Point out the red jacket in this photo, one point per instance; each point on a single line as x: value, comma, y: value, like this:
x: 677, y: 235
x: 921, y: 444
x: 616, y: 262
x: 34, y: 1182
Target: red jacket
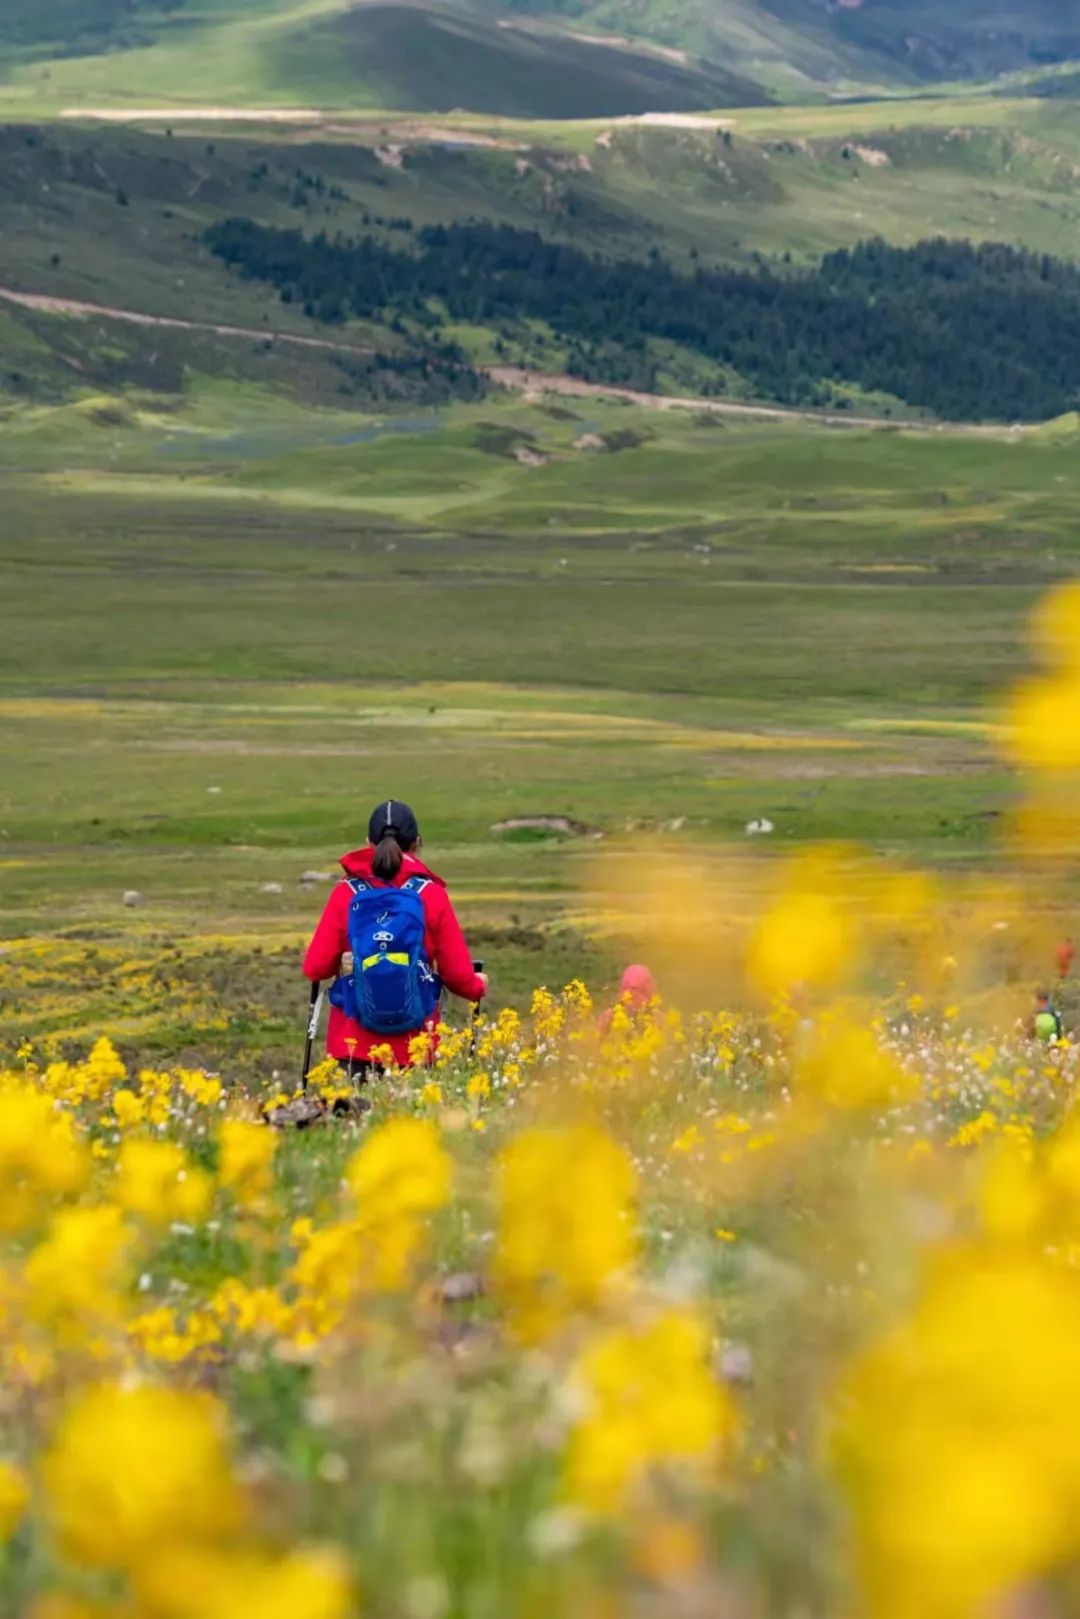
x: 443, y: 941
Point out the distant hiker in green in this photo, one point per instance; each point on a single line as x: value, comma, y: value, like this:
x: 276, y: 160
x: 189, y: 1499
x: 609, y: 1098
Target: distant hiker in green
x: 1045, y: 1023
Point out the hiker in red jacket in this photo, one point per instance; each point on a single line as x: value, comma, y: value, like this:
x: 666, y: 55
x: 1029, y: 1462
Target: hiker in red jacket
x: 389, y: 861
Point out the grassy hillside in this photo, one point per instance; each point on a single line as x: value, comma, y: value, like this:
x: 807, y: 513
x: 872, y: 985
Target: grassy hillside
x: 490, y: 57
x: 116, y: 217
x: 948, y: 39
x: 409, y: 56
x: 796, y: 45
x: 412, y: 56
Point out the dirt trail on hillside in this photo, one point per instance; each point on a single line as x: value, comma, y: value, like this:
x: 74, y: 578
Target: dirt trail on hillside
x: 87, y: 311
x: 201, y: 115
x: 509, y: 376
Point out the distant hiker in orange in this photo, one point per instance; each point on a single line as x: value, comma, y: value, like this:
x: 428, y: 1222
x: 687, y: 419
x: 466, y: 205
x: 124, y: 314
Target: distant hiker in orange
x: 1065, y: 956
x: 637, y: 991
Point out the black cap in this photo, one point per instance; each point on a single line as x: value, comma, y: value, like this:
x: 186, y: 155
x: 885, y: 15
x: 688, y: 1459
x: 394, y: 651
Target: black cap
x: 396, y: 818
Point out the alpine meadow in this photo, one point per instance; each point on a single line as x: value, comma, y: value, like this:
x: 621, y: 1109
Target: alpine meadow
x: 540, y: 810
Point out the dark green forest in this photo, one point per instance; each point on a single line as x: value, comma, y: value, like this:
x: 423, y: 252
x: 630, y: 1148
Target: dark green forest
x: 984, y: 333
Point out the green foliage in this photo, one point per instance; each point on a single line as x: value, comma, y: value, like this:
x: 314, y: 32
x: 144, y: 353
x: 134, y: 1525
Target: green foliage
x: 975, y: 333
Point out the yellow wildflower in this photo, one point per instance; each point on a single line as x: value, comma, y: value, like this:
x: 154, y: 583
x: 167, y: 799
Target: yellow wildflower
x: 577, y: 998
x: 400, y: 1176
x: 846, y: 1067
x: 40, y: 1156
x: 565, y: 1224
x: 246, y: 1163
x: 969, y: 1134
x: 157, y: 1181
x: 808, y: 935
x: 961, y: 1465
x: 420, y: 1049
x: 326, y: 1277
x: 102, y: 1070
x: 75, y: 1276
x: 651, y: 1402
x: 205, y: 1089
x: 161, y: 1335
x: 132, y: 1470
x: 14, y: 1495
x: 401, y: 1168
x: 129, y: 1110
x: 207, y: 1583
x: 257, y: 1310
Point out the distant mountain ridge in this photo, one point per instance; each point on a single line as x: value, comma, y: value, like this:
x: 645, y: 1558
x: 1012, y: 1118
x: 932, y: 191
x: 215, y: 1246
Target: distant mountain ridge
x: 575, y: 58
x: 947, y: 38
x: 899, y: 42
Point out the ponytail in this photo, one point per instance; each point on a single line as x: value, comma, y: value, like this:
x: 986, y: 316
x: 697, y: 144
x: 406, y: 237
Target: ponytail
x: 388, y: 857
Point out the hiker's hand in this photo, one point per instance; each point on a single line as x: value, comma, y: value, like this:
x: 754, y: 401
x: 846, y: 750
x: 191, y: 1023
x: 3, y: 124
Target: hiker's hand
x: 483, y: 977
x: 346, y: 964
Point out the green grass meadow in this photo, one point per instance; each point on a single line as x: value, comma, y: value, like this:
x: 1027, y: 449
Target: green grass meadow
x: 243, y: 598
x: 233, y: 626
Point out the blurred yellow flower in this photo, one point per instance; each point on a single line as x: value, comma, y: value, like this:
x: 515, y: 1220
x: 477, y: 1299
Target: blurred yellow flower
x: 845, y: 1066
x: 1056, y: 627
x: 103, y: 1069
x: 401, y: 1169
x: 566, y: 1227
x: 206, y: 1089
x: 326, y: 1275
x: 76, y: 1275
x: 808, y: 936
x: 1043, y: 722
x: 401, y: 1176
x: 651, y: 1401
x: 41, y: 1158
x: 246, y: 1162
x: 128, y: 1109
x: 158, y: 1182
x: 958, y: 1445
x: 14, y: 1495
x: 134, y: 1470
x: 206, y: 1583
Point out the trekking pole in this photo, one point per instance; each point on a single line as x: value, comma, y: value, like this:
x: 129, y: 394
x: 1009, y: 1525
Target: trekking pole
x: 478, y: 967
x: 314, y: 1008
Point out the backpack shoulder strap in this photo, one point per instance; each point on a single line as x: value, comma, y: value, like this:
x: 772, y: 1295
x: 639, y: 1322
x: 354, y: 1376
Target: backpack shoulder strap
x: 357, y: 885
x: 415, y: 885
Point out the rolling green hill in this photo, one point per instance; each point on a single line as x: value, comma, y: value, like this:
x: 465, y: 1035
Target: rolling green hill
x: 897, y: 42
x: 409, y: 56
x: 117, y: 217
x: 525, y: 58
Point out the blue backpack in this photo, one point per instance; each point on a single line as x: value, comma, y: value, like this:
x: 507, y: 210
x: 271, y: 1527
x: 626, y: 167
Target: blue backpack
x: 392, y: 988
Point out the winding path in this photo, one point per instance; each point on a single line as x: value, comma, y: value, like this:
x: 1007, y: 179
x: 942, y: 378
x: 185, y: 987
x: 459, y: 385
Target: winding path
x: 132, y: 317
x: 512, y: 377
